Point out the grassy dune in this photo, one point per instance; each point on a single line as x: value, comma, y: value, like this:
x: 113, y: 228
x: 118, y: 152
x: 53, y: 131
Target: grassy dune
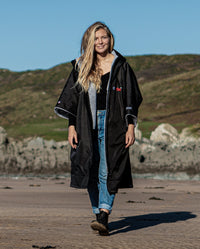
x: 170, y: 86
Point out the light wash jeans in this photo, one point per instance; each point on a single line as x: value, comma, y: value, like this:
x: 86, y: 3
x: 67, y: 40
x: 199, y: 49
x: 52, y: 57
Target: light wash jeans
x: 97, y: 188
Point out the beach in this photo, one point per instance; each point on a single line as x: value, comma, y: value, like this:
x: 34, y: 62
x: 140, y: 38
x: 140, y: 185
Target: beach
x: 47, y: 213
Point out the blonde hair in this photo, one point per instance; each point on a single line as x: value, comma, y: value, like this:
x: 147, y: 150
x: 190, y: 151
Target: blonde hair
x: 88, y: 68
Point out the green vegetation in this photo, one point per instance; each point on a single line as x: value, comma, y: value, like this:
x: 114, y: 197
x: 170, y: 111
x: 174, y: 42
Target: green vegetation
x: 170, y: 87
x: 48, y: 129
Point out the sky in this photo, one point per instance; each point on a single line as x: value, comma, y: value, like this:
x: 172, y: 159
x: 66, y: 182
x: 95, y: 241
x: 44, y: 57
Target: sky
x: 39, y: 34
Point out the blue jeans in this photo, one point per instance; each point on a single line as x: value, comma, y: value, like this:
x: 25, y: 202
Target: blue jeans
x: 97, y: 188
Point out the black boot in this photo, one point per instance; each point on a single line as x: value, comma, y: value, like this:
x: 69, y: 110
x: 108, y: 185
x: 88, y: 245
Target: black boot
x: 101, y: 224
x: 97, y: 217
x: 93, y: 223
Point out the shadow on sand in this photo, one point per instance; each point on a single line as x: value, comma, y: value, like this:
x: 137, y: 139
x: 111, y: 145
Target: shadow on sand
x: 141, y: 221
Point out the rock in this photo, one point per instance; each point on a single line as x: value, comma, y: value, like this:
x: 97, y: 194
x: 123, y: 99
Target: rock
x: 187, y: 137
x: 138, y: 133
x: 33, y: 155
x: 3, y: 136
x: 51, y: 144
x: 166, y: 151
x: 36, y: 143
x: 186, y: 134
x: 147, y: 148
x: 164, y: 133
x: 145, y: 140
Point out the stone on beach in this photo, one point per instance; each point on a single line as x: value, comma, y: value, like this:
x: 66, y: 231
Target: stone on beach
x: 165, y: 151
x: 164, y: 133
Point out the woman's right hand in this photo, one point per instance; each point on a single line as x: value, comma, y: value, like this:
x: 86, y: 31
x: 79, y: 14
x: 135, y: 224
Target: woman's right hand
x: 72, y: 136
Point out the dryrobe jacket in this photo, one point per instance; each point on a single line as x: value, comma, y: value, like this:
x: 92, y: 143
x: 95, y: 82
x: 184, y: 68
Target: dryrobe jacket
x: 123, y: 99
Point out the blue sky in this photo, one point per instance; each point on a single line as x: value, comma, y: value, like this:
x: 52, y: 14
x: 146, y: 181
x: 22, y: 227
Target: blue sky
x: 43, y: 33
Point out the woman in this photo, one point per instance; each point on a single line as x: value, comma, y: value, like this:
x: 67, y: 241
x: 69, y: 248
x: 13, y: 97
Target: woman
x: 101, y: 100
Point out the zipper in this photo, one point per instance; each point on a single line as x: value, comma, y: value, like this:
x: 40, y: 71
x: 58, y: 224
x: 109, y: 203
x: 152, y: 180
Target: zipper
x: 91, y: 122
x: 105, y: 120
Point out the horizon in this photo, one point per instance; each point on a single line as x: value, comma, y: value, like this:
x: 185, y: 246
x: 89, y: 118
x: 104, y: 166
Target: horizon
x: 45, y: 69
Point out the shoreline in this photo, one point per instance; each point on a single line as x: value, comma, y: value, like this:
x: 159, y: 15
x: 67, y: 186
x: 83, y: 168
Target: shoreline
x: 177, y: 176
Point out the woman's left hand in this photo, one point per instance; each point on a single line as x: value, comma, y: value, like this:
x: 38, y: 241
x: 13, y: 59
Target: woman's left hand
x: 130, y: 136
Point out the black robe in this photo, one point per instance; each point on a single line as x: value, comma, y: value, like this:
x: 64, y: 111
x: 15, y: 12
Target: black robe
x: 123, y: 99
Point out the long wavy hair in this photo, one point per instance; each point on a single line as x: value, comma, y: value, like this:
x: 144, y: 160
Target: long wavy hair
x: 87, y: 62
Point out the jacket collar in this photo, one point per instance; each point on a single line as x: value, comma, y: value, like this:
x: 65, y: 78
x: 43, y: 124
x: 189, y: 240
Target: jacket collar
x: 114, y: 52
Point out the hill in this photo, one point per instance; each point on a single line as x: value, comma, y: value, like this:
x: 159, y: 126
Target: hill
x: 170, y: 86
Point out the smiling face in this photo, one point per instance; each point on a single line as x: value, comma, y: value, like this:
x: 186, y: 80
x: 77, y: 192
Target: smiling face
x: 102, y: 42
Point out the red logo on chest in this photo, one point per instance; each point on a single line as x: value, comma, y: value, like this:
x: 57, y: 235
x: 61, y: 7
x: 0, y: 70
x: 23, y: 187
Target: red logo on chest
x: 118, y: 89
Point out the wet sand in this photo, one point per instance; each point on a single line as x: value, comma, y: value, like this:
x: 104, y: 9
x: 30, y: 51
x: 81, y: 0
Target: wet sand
x: 47, y: 213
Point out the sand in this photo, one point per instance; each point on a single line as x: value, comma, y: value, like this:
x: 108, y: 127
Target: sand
x: 47, y: 213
